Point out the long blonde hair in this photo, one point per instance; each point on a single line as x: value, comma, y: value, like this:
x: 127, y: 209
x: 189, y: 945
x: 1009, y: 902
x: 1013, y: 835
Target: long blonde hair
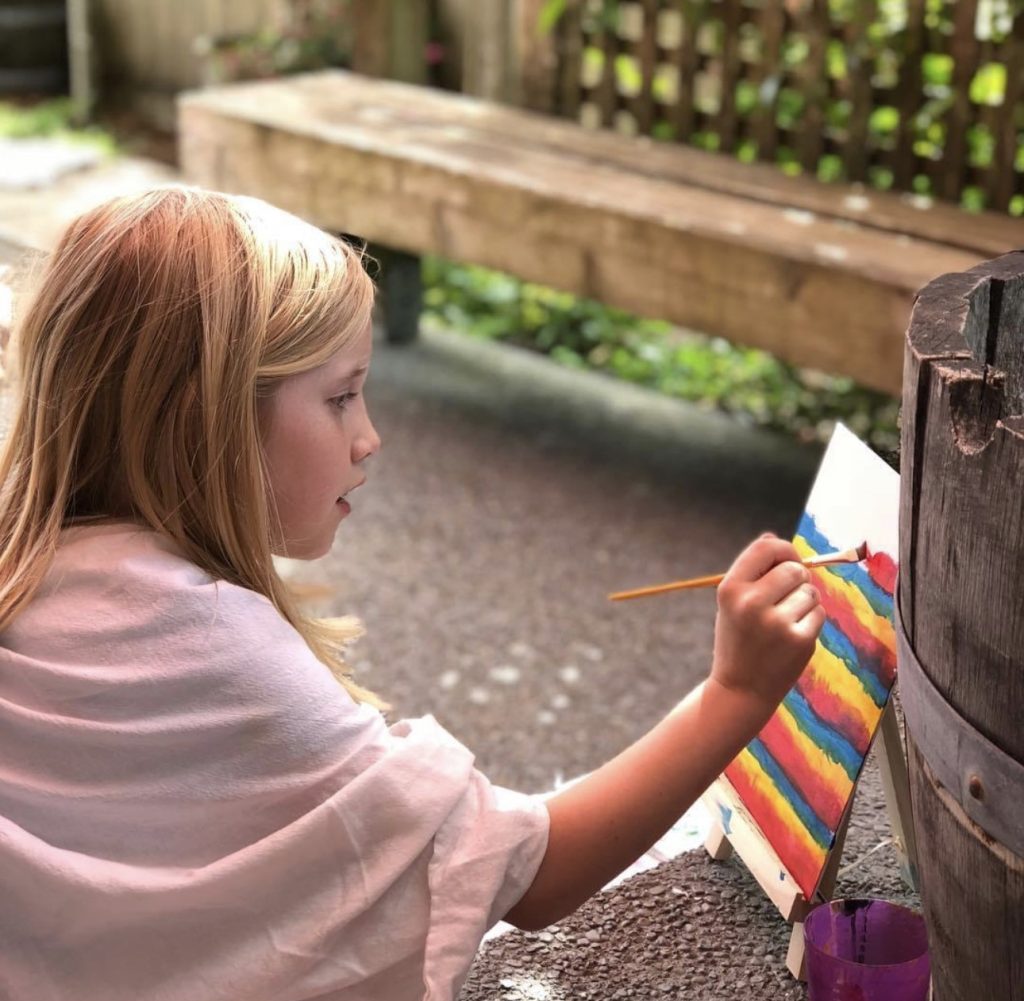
x: 159, y: 322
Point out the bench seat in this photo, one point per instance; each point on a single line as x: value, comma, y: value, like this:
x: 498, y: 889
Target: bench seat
x: 823, y: 276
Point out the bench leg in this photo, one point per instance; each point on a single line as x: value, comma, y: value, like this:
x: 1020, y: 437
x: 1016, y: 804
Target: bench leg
x: 401, y: 293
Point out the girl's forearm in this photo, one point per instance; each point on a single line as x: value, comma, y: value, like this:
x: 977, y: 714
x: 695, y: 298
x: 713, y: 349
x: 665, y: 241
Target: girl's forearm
x: 602, y: 824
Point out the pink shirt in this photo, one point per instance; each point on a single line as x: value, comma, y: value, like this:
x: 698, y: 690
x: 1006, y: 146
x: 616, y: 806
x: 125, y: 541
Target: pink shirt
x: 192, y: 808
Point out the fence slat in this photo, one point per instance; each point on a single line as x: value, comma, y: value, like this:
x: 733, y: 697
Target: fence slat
x: 685, y: 64
x: 1004, y: 179
x: 860, y: 65
x: 811, y: 139
x: 731, y: 68
x: 646, y: 50
x: 964, y: 50
x: 768, y: 79
x: 569, y: 41
x: 909, y: 94
x: 536, y: 59
x: 610, y: 45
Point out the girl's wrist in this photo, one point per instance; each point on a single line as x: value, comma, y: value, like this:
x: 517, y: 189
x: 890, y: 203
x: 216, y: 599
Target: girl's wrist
x: 745, y: 707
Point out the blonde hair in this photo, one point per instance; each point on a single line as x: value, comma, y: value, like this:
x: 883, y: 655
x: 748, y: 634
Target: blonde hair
x: 159, y: 322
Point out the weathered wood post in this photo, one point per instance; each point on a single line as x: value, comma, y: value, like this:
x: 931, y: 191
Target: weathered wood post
x: 961, y: 604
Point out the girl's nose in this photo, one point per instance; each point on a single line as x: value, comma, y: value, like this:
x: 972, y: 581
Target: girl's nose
x: 366, y: 444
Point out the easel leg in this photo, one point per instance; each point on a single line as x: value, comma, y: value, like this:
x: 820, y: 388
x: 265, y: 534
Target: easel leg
x: 796, y: 959
x: 892, y: 764
x: 717, y: 844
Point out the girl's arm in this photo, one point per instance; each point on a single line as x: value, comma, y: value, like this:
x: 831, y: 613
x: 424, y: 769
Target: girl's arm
x: 768, y: 620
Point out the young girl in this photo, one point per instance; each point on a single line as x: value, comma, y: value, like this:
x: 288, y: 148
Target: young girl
x: 191, y: 806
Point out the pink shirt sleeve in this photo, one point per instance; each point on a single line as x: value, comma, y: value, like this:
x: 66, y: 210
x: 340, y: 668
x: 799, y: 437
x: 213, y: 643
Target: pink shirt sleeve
x: 191, y: 807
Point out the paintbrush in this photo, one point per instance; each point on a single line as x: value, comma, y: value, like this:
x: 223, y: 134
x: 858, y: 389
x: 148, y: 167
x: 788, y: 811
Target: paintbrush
x: 846, y: 556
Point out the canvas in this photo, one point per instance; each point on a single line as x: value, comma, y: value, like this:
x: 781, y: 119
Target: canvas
x: 797, y: 777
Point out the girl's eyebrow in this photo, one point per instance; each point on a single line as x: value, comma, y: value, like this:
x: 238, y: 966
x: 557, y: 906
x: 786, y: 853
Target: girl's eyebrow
x: 344, y: 376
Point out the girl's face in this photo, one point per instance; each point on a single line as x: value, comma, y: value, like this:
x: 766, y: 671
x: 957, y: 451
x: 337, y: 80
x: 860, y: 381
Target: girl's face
x: 316, y: 435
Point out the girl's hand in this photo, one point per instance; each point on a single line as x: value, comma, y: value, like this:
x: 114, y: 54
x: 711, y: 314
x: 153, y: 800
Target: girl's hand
x: 769, y: 616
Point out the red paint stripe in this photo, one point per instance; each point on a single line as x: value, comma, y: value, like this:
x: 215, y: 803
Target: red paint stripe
x: 791, y: 851
x: 877, y: 655
x: 831, y: 708
x: 826, y: 802
x: 881, y: 569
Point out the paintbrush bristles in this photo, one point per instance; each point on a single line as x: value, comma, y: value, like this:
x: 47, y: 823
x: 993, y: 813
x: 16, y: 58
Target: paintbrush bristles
x: 846, y: 556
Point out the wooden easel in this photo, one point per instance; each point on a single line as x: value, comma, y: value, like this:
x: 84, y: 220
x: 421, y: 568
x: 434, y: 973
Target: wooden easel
x: 734, y: 830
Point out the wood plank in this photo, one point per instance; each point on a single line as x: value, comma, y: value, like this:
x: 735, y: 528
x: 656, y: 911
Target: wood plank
x: 335, y: 92
x: 422, y: 182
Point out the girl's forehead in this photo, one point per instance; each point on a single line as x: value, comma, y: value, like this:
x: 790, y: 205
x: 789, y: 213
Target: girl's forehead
x: 352, y: 358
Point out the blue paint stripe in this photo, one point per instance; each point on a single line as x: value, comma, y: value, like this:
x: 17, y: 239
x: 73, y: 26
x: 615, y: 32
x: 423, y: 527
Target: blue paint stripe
x: 865, y: 669
x: 815, y: 826
x: 831, y: 741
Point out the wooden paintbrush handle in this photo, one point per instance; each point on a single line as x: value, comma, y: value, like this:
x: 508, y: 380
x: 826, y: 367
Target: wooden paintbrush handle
x: 713, y: 580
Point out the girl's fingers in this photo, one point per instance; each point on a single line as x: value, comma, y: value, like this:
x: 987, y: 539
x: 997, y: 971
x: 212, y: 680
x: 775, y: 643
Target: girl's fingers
x: 782, y: 580
x: 760, y: 557
x: 799, y: 603
x: 810, y: 625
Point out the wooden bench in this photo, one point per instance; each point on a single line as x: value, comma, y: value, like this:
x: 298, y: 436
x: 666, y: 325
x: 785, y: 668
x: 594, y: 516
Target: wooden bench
x: 822, y: 276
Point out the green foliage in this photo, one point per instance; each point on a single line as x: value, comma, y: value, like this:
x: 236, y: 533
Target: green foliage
x: 50, y: 119
x: 580, y: 333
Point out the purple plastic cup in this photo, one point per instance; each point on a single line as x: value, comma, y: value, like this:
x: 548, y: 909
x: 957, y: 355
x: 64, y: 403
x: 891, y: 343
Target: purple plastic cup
x: 866, y: 950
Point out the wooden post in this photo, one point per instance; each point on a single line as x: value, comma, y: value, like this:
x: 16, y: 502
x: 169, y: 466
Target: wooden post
x: 81, y: 61
x: 961, y: 604
x: 390, y: 39
x: 534, y: 58
x: 488, y: 58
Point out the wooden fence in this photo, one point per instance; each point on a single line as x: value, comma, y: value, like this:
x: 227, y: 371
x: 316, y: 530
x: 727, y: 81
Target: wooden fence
x: 917, y: 95
x: 147, y: 51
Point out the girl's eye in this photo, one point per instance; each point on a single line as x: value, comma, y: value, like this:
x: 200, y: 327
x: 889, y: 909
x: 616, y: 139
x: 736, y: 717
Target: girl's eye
x: 341, y: 402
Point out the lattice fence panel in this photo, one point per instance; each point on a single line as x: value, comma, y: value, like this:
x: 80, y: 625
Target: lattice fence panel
x: 916, y: 95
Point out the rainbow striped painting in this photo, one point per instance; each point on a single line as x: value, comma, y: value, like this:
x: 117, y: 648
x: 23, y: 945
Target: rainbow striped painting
x: 798, y: 775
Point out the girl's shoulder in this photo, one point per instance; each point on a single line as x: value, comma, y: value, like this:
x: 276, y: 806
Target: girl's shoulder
x: 125, y: 593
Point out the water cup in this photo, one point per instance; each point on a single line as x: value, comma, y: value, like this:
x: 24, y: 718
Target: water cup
x: 866, y: 950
